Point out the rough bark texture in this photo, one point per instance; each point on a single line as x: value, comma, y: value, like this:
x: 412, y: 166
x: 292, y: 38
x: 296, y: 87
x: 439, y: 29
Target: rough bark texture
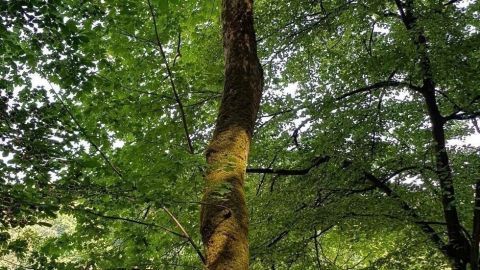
x: 224, y: 219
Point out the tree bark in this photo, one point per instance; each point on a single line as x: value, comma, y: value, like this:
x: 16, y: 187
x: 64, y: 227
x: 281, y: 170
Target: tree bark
x: 224, y: 218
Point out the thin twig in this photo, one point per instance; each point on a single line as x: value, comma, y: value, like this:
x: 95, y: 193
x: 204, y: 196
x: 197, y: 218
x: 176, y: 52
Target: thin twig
x: 170, y: 76
x: 185, y: 234
x: 264, y: 175
x: 82, y: 130
x: 128, y: 220
x: 179, y: 43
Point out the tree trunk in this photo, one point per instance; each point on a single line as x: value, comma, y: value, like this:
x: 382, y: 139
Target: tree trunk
x: 476, y: 228
x: 224, y: 219
x: 459, y: 246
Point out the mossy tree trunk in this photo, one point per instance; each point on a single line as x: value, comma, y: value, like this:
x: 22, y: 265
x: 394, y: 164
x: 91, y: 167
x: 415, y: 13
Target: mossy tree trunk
x: 224, y: 218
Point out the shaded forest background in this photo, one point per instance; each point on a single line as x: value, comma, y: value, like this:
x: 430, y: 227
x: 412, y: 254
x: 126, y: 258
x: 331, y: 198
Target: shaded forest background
x: 105, y: 114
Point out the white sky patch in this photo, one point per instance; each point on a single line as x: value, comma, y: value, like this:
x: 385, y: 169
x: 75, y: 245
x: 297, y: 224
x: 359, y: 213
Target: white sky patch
x: 291, y: 89
x: 382, y: 29
x: 412, y: 180
x: 470, y: 140
x: 118, y: 144
x: 464, y: 3
x: 402, y: 95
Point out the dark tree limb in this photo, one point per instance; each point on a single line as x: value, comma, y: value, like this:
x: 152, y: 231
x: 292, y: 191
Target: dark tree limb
x: 379, y: 85
x: 179, y: 44
x: 451, y: 2
x: 459, y: 247
x: 264, y: 175
x: 317, y: 162
x: 380, y: 184
x: 426, y: 228
x: 278, y: 238
x: 462, y: 116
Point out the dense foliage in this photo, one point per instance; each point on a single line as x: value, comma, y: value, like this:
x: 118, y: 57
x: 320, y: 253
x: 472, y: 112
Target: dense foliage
x: 97, y: 99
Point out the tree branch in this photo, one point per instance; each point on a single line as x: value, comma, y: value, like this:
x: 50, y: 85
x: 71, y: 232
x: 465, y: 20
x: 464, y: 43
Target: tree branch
x: 316, y: 162
x: 426, y: 228
x: 82, y: 129
x: 379, y: 85
x: 451, y: 2
x: 377, y: 183
x: 185, y: 234
x: 91, y: 212
x: 179, y: 43
x: 172, y: 83
x: 462, y: 116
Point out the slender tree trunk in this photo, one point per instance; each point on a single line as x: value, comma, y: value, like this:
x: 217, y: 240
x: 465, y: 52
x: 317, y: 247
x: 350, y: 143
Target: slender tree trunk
x: 476, y: 228
x: 224, y: 219
x: 459, y: 247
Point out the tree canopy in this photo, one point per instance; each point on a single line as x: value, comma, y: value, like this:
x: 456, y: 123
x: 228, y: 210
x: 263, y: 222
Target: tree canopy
x: 365, y: 152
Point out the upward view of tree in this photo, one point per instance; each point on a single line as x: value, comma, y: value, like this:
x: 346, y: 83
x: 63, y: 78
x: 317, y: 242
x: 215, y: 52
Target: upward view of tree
x: 150, y: 135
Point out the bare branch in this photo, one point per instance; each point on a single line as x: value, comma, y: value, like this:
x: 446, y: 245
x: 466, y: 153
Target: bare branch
x: 264, y: 175
x: 278, y: 238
